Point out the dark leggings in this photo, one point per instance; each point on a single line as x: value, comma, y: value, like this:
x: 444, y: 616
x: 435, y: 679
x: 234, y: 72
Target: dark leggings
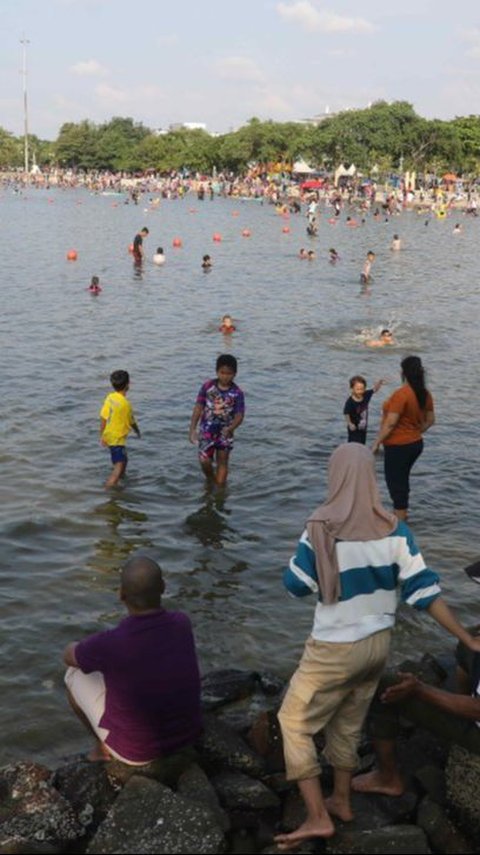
x: 399, y: 459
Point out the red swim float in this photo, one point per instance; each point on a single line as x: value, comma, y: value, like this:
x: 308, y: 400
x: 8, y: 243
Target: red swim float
x: 72, y: 255
x: 217, y: 237
x: 286, y: 230
x: 246, y: 233
x: 177, y: 242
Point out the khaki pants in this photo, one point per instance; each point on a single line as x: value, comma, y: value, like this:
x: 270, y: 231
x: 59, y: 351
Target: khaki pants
x: 331, y: 690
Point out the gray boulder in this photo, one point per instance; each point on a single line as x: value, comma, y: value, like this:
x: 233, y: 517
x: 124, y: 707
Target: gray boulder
x: 32, y: 811
x: 391, y: 840
x: 148, y: 817
x: 239, y: 792
x: 463, y: 785
x: 194, y: 786
x: 88, y: 789
x: 220, y: 747
x: 441, y: 833
x: 224, y: 686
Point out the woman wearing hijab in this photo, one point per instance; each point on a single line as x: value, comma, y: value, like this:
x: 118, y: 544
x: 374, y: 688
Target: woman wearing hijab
x: 407, y: 414
x: 354, y: 554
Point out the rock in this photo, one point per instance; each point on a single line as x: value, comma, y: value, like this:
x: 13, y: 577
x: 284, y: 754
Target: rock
x: 463, y: 785
x: 32, y: 811
x: 87, y: 787
x: 221, y: 747
x: 194, y: 786
x: 432, y: 781
x: 148, y: 817
x: 224, y: 686
x: 441, y: 833
x: 390, y: 840
x: 265, y: 738
x: 167, y: 770
x: 270, y: 684
x: 16, y: 847
x: 239, y: 792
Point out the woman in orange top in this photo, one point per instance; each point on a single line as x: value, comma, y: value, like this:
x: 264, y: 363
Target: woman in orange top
x: 407, y: 414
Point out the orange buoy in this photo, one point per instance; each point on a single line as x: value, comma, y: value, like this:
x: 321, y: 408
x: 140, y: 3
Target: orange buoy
x: 286, y: 230
x: 177, y: 242
x: 72, y: 255
x: 130, y: 248
x: 217, y: 237
x: 246, y: 233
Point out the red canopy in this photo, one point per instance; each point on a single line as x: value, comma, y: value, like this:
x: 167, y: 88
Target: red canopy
x: 312, y: 184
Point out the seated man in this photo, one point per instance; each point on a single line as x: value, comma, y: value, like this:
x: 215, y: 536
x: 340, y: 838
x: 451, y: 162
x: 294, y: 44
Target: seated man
x: 136, y: 687
x: 454, y: 718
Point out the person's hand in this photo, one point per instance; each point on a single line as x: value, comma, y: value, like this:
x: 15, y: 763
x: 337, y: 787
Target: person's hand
x: 351, y: 426
x: 375, y: 447
x: 227, y: 432
x: 473, y: 643
x: 193, y: 438
x: 102, y: 442
x: 401, y: 690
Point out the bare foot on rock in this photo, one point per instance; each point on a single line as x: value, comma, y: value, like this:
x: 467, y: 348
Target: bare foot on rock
x: 374, y: 782
x: 98, y: 752
x: 339, y: 809
x: 323, y: 827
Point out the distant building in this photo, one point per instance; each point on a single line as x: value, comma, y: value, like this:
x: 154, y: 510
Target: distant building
x: 318, y: 118
x: 187, y: 126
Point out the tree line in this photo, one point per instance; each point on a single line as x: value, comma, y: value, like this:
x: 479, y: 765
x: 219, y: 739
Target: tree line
x: 387, y: 137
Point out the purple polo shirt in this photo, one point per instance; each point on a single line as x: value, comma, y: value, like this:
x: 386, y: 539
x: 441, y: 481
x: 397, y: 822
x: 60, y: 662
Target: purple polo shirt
x: 150, y: 668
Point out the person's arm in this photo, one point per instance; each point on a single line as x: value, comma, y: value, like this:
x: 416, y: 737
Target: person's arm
x: 410, y: 686
x: 136, y: 429
x: 69, y: 657
x: 390, y: 421
x: 230, y: 429
x: 349, y: 422
x: 103, y: 424
x: 378, y: 385
x: 441, y: 613
x: 197, y: 412
x: 428, y: 421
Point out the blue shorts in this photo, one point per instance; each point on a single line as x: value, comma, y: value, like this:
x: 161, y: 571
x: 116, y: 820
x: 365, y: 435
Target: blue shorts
x: 118, y: 453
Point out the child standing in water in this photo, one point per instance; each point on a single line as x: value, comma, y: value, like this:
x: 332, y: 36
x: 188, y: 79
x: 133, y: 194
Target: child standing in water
x: 356, y: 408
x: 227, y: 326
x: 220, y: 409
x: 367, y: 267
x: 94, y: 286
x: 116, y: 422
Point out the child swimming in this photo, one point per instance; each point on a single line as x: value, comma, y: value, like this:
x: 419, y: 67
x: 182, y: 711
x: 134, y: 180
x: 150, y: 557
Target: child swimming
x: 385, y: 338
x: 227, y: 325
x: 94, y: 286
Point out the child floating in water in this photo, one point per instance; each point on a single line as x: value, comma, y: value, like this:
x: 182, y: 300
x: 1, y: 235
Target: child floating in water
x: 334, y: 256
x: 227, y: 325
x: 386, y: 337
x: 356, y: 408
x: 303, y: 253
x: 311, y: 255
x: 367, y: 267
x: 159, y: 257
x: 94, y: 286
x: 206, y: 262
x: 457, y: 230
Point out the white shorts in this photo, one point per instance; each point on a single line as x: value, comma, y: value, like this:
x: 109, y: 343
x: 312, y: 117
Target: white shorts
x: 88, y: 692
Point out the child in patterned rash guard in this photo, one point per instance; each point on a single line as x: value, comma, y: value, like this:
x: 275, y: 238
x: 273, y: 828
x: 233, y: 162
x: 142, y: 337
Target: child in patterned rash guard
x: 220, y: 409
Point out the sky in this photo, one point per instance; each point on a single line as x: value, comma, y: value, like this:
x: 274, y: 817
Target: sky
x: 220, y: 62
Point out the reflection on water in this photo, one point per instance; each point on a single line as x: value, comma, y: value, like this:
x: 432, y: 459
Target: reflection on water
x: 301, y: 337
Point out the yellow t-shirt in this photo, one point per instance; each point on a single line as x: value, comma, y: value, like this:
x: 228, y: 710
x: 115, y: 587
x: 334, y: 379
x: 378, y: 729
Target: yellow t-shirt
x: 118, y: 414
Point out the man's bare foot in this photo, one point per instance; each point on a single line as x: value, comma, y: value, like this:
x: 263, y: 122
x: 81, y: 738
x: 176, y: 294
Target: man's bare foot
x: 339, y: 809
x: 374, y: 782
x: 99, y: 752
x: 321, y: 827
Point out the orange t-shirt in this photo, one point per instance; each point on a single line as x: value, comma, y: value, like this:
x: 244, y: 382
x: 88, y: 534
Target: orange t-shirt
x: 409, y: 426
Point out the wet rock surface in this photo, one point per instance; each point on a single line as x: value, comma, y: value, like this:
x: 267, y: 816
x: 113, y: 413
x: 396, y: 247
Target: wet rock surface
x: 232, y: 796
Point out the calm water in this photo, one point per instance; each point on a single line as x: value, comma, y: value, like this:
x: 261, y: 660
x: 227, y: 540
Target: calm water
x: 301, y: 330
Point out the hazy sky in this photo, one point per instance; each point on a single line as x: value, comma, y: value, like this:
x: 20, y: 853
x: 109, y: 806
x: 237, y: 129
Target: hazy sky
x: 223, y: 61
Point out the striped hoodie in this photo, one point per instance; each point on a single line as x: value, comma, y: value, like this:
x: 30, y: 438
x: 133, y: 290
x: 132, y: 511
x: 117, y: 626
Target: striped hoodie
x: 370, y: 574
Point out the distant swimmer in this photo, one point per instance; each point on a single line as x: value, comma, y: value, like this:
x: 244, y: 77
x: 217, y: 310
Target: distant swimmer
x: 385, y: 338
x: 303, y: 253
x: 396, y: 243
x: 159, y: 257
x: 367, y: 267
x: 138, y: 251
x: 334, y: 256
x: 311, y: 255
x: 312, y: 229
x: 227, y: 326
x: 206, y: 262
x: 457, y: 229
x: 94, y: 286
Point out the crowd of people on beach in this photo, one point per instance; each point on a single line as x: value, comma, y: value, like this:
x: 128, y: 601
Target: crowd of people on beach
x: 136, y: 687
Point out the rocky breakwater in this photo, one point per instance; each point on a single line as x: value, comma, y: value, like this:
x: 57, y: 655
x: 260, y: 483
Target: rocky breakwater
x: 232, y: 797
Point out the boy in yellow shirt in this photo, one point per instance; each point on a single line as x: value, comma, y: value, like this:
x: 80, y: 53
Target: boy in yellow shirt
x: 116, y: 422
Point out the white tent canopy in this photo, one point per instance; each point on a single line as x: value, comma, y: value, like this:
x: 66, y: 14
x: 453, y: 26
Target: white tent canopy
x: 301, y: 166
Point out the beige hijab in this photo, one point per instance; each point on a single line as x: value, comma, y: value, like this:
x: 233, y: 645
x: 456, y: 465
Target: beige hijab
x: 352, y: 511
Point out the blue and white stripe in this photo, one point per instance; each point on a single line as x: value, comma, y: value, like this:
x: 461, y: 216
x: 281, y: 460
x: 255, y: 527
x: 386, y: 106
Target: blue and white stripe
x: 371, y: 572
